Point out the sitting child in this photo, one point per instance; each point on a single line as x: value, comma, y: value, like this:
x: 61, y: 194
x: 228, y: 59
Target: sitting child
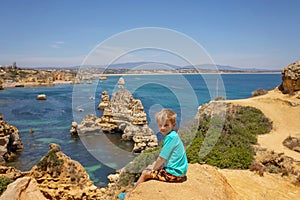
x: 171, y: 164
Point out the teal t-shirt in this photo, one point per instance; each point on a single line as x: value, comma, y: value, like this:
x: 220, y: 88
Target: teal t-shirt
x: 174, y: 154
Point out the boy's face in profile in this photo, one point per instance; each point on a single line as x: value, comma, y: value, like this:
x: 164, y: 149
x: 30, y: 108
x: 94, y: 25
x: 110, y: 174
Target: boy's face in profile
x: 165, y: 126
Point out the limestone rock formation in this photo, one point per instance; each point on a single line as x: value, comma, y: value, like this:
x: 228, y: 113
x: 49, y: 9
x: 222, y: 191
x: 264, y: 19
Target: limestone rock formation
x: 121, y: 82
x: 60, y: 177
x: 291, y: 78
x: 73, y: 130
x: 11, y: 172
x: 212, y: 108
x: 104, y: 100
x: 10, y: 142
x: 122, y: 114
x: 89, y: 123
x: 23, y: 189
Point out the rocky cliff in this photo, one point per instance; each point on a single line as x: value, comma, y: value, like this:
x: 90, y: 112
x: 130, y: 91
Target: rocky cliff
x: 122, y: 114
x: 56, y: 176
x: 10, y: 142
x: 291, y: 78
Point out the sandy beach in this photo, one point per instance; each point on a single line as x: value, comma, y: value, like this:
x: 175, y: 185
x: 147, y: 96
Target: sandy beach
x: 34, y: 84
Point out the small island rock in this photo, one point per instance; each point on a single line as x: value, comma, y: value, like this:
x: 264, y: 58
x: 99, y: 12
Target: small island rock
x: 41, y: 97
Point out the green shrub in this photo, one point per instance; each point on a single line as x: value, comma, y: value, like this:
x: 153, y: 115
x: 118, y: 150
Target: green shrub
x: 4, y: 182
x: 50, y: 162
x: 227, y: 143
x: 133, y: 170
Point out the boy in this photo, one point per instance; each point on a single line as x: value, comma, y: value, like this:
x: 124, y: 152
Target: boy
x: 171, y: 164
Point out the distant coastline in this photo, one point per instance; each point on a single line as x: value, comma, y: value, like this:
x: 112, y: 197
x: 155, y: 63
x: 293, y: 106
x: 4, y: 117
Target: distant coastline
x: 60, y: 82
x: 137, y: 74
x: 34, y: 84
x: 12, y: 76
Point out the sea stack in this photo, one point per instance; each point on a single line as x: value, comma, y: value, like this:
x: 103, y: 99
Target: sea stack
x: 122, y: 113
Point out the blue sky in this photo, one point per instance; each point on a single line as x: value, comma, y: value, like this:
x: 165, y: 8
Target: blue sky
x: 257, y: 33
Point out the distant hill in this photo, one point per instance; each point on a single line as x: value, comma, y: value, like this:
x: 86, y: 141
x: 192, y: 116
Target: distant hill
x: 226, y: 68
x: 164, y: 66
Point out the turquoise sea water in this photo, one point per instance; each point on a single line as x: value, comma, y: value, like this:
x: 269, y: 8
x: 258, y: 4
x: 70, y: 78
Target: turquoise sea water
x: 51, y: 119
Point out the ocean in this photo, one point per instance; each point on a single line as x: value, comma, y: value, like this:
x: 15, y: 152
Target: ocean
x: 51, y: 119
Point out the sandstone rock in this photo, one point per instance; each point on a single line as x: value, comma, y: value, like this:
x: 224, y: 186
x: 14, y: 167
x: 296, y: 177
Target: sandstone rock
x: 73, y: 130
x: 113, y: 178
x: 258, y: 92
x: 10, y: 141
x: 41, y: 97
x: 121, y: 82
x: 60, y: 177
x: 291, y: 78
x: 102, y: 78
x: 104, y: 100
x: 274, y: 162
x: 292, y: 143
x: 11, y: 172
x: 212, y: 108
x: 123, y: 114
x: 23, y: 189
x: 88, y: 124
x: 203, y: 182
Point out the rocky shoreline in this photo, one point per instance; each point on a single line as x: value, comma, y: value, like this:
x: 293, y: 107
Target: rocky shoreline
x: 57, y: 176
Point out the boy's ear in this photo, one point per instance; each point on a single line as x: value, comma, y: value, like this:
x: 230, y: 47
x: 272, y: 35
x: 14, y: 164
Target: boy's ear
x: 174, y: 124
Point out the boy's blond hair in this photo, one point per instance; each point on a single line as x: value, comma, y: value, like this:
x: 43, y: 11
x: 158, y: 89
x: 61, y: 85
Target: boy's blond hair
x: 164, y: 115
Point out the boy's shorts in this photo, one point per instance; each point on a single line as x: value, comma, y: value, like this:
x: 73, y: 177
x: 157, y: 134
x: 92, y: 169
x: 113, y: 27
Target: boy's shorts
x: 163, y: 175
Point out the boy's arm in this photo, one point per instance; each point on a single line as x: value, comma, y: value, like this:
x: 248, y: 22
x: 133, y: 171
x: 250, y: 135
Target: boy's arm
x: 158, y: 163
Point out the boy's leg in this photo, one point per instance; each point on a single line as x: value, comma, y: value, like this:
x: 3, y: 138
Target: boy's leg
x: 144, y: 176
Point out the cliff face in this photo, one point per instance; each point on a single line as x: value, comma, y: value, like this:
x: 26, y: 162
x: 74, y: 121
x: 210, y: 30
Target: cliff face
x: 56, y: 176
x: 291, y: 78
x: 10, y: 141
x: 10, y: 76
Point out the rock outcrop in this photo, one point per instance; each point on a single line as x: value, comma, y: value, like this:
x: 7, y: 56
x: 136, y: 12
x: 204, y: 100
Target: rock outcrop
x: 23, y: 189
x: 41, y: 97
x: 292, y: 143
x: 60, y: 177
x: 10, y: 142
x: 11, y: 172
x: 291, y: 78
x: 121, y: 82
x: 73, y: 130
x: 203, y: 182
x: 104, y: 100
x: 123, y: 114
x: 276, y: 162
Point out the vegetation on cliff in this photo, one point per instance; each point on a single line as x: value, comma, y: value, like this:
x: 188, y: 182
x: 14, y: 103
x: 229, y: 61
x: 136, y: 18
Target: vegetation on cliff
x: 4, y: 182
x: 50, y: 162
x: 233, y: 147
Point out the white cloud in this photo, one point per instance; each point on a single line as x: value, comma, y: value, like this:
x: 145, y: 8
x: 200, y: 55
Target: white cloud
x: 57, y: 44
